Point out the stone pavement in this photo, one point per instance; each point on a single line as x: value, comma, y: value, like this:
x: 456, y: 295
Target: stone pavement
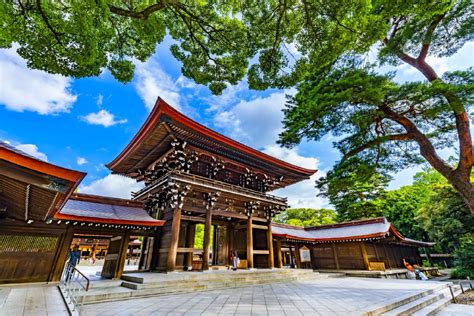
x: 34, y: 300
x: 457, y: 310
x: 333, y: 296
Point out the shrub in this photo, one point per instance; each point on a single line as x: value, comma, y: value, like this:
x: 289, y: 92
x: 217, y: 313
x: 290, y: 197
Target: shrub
x: 464, y: 258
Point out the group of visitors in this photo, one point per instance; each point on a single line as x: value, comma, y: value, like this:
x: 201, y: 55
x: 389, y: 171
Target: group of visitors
x: 414, y: 271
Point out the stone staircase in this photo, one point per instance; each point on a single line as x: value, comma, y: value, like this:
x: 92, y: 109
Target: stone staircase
x: 136, y: 285
x: 425, y: 303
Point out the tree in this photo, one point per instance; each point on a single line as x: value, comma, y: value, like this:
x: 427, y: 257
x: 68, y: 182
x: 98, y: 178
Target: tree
x: 380, y: 122
x: 306, y: 217
x: 354, y: 190
x: 444, y: 215
x: 463, y: 258
x: 80, y: 38
x: 401, y: 208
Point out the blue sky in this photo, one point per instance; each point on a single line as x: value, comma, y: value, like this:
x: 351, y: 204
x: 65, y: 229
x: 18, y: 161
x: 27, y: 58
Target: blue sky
x: 84, y: 123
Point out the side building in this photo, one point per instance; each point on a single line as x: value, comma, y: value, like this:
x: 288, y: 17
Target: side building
x: 371, y: 244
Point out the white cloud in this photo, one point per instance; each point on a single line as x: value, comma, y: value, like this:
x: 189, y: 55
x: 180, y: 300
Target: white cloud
x: 113, y: 186
x: 103, y: 117
x: 32, y: 150
x: 81, y: 161
x: 301, y: 194
x: 24, y: 89
x: 256, y: 123
x: 152, y: 81
x: 100, y: 100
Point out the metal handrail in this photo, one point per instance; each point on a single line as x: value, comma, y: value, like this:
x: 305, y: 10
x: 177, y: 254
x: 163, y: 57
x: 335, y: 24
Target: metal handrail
x: 74, y: 285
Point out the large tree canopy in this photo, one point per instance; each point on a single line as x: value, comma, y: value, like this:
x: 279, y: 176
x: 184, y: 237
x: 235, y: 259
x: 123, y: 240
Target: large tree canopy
x: 381, y: 123
x: 283, y: 43
x: 79, y: 38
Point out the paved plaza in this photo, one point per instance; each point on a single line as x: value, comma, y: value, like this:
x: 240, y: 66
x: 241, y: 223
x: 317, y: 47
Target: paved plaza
x: 333, y: 296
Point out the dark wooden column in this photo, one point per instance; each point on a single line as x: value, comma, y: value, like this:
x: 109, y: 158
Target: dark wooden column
x: 364, y: 255
x: 297, y: 256
x: 172, y: 251
x: 230, y: 236
x: 191, y: 230
x: 207, y: 239
x: 61, y: 255
x: 249, y: 243
x: 336, y: 259
x: 270, y: 245
x: 279, y: 255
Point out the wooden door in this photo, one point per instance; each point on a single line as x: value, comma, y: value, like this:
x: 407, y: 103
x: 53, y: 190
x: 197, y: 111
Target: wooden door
x: 112, y: 260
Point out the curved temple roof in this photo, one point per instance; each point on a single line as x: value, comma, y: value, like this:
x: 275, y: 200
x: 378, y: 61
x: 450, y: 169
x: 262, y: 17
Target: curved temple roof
x: 363, y: 229
x: 99, y: 209
x: 142, y: 149
x: 31, y: 188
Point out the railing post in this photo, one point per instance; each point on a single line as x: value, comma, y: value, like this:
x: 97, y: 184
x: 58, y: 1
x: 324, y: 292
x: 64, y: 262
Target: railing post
x: 462, y: 288
x: 452, y: 293
x: 470, y: 283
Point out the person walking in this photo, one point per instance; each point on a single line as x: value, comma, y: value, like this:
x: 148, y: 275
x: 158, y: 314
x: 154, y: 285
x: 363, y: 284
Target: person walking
x: 235, y: 260
x: 74, y: 258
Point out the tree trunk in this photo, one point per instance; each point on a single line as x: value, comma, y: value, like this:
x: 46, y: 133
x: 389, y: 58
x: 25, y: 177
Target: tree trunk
x: 464, y: 188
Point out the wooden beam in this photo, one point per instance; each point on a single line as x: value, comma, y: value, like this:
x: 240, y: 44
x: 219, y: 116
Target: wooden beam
x: 193, y: 218
x: 271, y: 263
x: 184, y: 250
x: 249, y: 243
x: 260, y: 252
x: 171, y: 261
x: 334, y: 252
x: 260, y: 227
x: 279, y: 255
x: 207, y: 239
x: 364, y: 255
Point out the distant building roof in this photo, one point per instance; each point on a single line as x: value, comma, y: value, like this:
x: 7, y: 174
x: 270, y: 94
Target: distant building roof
x: 355, y: 230
x: 99, y: 209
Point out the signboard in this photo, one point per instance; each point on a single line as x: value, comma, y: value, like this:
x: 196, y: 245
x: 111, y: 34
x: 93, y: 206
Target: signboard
x: 305, y: 254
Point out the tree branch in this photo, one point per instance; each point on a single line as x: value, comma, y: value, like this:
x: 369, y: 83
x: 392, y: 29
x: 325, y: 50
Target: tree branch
x: 427, y: 150
x: 142, y: 15
x: 378, y: 140
x: 429, y: 36
x: 48, y: 24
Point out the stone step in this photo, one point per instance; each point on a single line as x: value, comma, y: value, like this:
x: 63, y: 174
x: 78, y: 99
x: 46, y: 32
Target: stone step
x: 154, y: 285
x: 391, y: 305
x: 423, y: 303
x: 418, y: 304
x: 222, y: 282
x: 175, y: 276
x: 434, y: 308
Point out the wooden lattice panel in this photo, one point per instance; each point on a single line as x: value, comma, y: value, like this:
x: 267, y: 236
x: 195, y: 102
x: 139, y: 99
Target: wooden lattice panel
x: 18, y: 243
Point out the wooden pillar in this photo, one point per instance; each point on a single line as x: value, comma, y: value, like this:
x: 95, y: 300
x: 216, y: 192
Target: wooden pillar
x: 364, y: 255
x: 172, y: 251
x: 386, y: 256
x: 191, y: 230
x: 249, y: 243
x: 279, y: 255
x: 271, y: 263
x: 230, y: 236
x: 122, y: 255
x: 297, y: 256
x: 336, y: 259
x: 207, y: 239
x: 61, y: 255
